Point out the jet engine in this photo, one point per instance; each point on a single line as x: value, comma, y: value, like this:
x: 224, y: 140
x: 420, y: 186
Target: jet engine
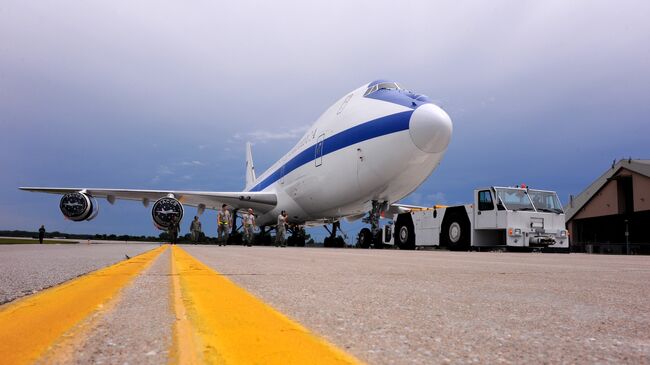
x: 79, y: 206
x: 165, y: 212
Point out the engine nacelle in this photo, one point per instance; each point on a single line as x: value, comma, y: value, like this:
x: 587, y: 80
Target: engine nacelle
x: 79, y: 206
x: 166, y: 212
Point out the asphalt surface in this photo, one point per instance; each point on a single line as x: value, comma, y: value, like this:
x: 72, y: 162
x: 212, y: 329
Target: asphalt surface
x: 135, y: 328
x: 400, y: 307
x: 29, y: 268
x: 382, y: 306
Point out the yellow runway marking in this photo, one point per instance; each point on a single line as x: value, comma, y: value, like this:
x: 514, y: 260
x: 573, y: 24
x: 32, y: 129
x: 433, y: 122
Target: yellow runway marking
x: 30, y: 325
x: 185, y: 349
x: 234, y: 327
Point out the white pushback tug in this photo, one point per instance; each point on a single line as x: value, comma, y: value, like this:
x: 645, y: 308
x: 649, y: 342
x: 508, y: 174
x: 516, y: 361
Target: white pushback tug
x: 511, y: 217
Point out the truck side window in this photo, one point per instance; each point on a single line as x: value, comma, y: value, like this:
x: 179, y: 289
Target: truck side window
x: 485, y: 200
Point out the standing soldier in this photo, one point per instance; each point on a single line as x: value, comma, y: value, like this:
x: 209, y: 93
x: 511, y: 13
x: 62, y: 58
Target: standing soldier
x: 280, y: 229
x: 224, y: 221
x: 249, y: 226
x: 195, y: 230
x: 173, y: 232
x: 41, y: 234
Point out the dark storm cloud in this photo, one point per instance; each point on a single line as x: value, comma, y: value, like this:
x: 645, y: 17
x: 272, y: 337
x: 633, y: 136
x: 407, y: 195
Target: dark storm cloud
x: 122, y: 94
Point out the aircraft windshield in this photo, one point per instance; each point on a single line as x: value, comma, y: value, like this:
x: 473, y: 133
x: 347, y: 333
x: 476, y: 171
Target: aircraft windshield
x: 546, y: 201
x: 388, y: 85
x: 382, y: 86
x: 514, y: 199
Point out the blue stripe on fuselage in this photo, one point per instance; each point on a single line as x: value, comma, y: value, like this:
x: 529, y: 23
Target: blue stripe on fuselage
x: 359, y: 133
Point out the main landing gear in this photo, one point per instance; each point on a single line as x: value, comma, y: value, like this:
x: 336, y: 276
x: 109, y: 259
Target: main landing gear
x: 372, y: 236
x: 333, y: 240
x: 297, y: 237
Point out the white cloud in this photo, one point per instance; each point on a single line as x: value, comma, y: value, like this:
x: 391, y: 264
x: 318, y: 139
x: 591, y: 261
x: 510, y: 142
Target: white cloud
x: 266, y: 136
x: 192, y: 163
x: 164, y: 170
x: 437, y: 198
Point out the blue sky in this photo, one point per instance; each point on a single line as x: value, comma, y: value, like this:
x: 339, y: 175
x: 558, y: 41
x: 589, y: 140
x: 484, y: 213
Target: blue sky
x: 163, y: 95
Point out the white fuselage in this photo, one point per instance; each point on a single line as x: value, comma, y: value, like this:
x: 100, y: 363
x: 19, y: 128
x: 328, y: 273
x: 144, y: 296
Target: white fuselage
x: 361, y: 149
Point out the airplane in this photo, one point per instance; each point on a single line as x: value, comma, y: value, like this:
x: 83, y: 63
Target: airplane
x: 371, y: 148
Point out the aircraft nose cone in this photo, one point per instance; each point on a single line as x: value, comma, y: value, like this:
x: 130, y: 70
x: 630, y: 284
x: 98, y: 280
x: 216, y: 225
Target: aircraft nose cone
x: 430, y: 128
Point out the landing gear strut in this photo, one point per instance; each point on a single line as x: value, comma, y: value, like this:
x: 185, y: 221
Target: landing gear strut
x: 372, y: 235
x: 263, y: 237
x: 297, y: 237
x: 333, y: 240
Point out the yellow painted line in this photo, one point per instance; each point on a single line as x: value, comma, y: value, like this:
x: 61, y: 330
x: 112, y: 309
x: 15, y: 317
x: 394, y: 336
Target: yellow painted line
x: 29, y: 326
x: 185, y: 348
x: 234, y: 327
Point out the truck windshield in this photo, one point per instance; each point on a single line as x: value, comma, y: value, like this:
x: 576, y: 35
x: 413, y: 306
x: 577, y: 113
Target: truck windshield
x: 546, y: 201
x: 514, y: 199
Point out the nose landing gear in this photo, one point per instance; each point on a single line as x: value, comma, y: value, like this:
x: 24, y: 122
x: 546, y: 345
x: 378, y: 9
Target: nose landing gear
x: 372, y: 236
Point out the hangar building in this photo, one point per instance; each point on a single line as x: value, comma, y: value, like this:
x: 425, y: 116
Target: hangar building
x: 613, y: 211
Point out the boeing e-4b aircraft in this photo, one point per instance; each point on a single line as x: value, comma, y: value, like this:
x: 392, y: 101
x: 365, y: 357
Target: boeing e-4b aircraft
x: 370, y: 149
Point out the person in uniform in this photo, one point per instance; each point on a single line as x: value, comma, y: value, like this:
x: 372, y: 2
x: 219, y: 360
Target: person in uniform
x: 224, y: 221
x: 195, y: 229
x: 249, y: 227
x: 281, y: 229
x: 41, y: 234
x: 173, y: 232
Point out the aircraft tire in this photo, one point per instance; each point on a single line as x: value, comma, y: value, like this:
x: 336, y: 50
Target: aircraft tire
x: 377, y: 241
x: 365, y: 238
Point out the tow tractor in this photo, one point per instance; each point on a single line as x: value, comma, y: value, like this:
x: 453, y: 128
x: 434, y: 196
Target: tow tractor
x: 510, y: 217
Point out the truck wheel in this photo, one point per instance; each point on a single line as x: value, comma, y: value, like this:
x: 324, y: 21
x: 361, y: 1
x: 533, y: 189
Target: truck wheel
x: 365, y: 238
x: 404, y: 236
x: 456, y: 233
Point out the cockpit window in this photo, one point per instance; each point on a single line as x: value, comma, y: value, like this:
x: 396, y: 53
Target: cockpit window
x: 370, y: 90
x: 388, y: 85
x: 382, y: 86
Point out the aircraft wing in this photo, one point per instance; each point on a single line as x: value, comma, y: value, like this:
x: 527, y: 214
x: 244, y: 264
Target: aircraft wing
x: 262, y: 202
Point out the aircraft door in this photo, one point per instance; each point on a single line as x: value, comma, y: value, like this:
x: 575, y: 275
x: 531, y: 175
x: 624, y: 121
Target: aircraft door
x: 318, y: 158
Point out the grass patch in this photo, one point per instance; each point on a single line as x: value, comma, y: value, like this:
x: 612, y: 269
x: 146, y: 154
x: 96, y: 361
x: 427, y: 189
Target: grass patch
x: 18, y: 241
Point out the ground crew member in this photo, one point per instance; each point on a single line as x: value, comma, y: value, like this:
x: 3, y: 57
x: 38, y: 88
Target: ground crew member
x: 41, y: 234
x: 224, y: 221
x: 173, y: 232
x: 280, y: 229
x: 195, y: 229
x: 249, y: 226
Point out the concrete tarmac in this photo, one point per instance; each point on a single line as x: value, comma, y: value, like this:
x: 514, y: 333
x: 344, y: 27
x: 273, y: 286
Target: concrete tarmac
x: 135, y: 329
x: 29, y: 268
x: 423, y: 307
x: 386, y: 306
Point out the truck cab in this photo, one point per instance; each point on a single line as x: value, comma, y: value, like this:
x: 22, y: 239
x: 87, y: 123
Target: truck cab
x: 518, y: 217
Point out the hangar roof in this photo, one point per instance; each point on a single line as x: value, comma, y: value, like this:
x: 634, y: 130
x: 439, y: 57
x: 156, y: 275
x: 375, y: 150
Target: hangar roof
x: 639, y: 166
